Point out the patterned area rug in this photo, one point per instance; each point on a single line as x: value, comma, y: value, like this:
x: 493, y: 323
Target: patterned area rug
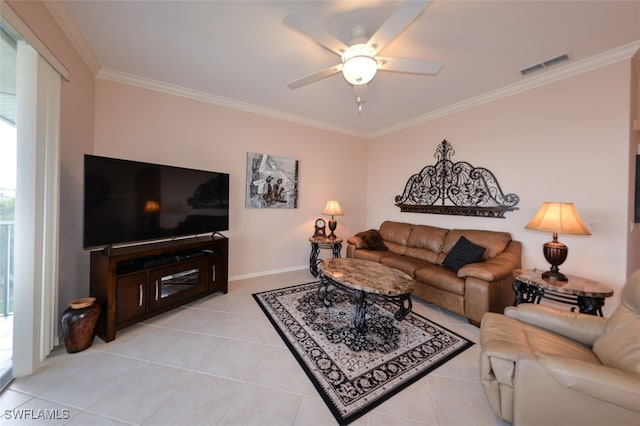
x: 356, y: 372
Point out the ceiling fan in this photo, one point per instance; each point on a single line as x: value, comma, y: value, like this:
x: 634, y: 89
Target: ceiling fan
x: 360, y: 60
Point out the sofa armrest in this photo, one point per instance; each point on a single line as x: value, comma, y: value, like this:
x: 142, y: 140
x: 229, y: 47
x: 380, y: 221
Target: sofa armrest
x: 576, y: 326
x: 357, y: 242
x: 617, y: 387
x: 496, y: 268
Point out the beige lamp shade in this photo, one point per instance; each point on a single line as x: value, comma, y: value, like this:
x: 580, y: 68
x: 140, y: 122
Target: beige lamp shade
x: 559, y: 218
x: 332, y: 208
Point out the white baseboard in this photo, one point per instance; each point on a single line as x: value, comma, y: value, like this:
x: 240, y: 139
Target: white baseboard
x: 265, y: 273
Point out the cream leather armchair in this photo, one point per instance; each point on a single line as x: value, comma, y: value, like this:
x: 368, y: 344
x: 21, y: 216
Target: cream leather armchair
x: 543, y: 366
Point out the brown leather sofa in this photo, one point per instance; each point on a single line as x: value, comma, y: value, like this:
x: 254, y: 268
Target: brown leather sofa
x: 543, y: 366
x: 420, y: 250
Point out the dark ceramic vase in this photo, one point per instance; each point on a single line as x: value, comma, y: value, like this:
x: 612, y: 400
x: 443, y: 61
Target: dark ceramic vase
x: 78, y: 323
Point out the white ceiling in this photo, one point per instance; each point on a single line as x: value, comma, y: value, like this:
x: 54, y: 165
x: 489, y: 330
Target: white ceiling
x: 241, y: 54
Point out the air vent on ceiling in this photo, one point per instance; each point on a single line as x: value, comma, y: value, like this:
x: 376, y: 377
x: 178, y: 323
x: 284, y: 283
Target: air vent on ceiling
x: 546, y: 64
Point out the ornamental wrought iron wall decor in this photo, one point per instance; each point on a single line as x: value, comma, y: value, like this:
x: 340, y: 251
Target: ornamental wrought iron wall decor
x: 455, y: 189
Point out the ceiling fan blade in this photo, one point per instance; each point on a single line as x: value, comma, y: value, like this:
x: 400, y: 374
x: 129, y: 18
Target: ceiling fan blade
x: 316, y: 76
x: 360, y: 93
x: 396, y: 23
x: 410, y: 66
x: 316, y: 33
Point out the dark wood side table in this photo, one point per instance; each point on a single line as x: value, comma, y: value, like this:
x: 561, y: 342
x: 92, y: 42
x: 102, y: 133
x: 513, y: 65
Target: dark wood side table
x: 587, y: 295
x: 317, y: 243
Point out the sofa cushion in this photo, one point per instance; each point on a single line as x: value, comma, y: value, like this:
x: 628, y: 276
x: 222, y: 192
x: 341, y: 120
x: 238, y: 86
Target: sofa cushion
x: 396, y: 248
x: 373, y: 255
x: 422, y: 254
x: 493, y: 241
x: 440, y: 277
x: 427, y: 237
x: 463, y: 253
x: 396, y: 232
x: 425, y: 242
x: 406, y: 264
x: 372, y: 240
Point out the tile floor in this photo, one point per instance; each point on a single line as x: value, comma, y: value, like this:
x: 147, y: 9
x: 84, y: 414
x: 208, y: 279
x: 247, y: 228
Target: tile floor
x: 218, y: 361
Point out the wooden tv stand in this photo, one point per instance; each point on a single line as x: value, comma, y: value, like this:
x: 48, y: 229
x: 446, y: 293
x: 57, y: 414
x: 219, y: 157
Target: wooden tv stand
x: 138, y: 282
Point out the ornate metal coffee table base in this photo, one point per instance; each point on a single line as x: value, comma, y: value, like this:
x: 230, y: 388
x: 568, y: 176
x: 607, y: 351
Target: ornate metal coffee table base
x: 361, y: 298
x: 587, y: 295
x: 526, y: 293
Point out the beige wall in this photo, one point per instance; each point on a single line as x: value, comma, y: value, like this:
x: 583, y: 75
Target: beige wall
x: 144, y: 125
x: 566, y: 141
x: 76, y: 137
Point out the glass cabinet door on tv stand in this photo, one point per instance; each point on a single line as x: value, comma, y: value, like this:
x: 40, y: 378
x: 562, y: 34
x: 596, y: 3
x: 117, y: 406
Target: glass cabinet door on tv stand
x: 177, y: 282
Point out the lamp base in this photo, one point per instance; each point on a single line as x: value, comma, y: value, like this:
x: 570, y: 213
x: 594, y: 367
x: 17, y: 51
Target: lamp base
x: 554, y: 276
x: 555, y: 253
x: 333, y: 224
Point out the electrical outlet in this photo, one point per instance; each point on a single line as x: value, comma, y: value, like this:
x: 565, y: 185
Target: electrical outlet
x: 593, y: 225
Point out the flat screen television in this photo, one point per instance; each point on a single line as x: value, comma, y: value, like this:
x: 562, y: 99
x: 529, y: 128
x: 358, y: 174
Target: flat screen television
x: 131, y: 201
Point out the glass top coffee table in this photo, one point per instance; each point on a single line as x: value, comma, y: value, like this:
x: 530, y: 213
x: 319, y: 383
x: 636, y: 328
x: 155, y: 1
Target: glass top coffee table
x: 366, y: 280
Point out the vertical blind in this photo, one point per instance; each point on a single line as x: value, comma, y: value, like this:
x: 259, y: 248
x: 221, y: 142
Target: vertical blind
x: 38, y: 83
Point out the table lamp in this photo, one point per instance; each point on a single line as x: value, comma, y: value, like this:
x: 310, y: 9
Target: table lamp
x: 558, y: 218
x: 332, y: 209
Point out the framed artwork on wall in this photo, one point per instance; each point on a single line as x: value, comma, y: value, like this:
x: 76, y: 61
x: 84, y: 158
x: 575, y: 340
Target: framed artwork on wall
x: 272, y: 182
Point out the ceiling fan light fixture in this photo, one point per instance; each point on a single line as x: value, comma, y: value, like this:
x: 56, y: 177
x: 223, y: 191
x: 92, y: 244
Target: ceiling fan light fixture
x: 359, y: 64
x: 359, y: 70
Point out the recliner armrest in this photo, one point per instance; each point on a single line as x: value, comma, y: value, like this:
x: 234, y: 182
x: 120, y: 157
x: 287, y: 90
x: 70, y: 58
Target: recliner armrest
x: 617, y: 387
x: 576, y: 326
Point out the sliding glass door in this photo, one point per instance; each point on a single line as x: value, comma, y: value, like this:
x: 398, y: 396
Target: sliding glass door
x: 8, y: 161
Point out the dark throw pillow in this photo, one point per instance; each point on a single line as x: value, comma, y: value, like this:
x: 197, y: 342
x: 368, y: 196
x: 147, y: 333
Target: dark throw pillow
x: 463, y: 253
x: 372, y: 240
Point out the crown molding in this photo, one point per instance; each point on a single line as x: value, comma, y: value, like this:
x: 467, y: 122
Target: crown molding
x: 62, y: 16
x: 79, y: 42
x: 172, y: 89
x: 618, y: 54
x: 612, y: 56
